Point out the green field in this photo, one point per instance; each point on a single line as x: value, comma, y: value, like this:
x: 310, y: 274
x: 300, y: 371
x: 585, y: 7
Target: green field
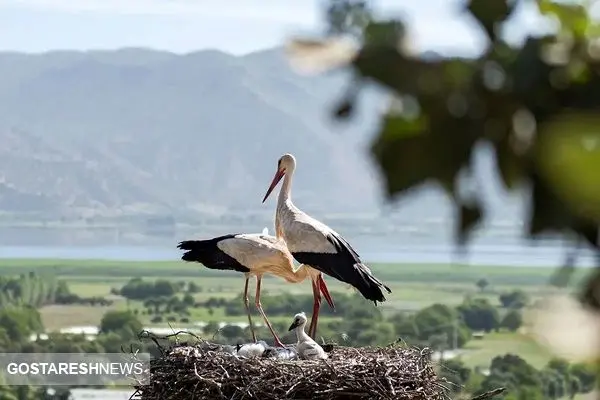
x: 414, y: 286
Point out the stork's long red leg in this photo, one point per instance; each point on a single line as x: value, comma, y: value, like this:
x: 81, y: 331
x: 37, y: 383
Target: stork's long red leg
x: 247, y: 305
x: 312, y: 329
x: 260, y: 309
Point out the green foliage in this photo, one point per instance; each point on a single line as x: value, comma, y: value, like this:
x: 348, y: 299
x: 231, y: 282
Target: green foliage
x: 482, y: 284
x: 514, y: 299
x: 455, y: 372
x: 138, y: 289
x: 585, y: 374
x: 512, y: 320
x: 535, y: 105
x: 123, y: 323
x: 479, y: 315
x: 521, y: 379
x: 440, y: 319
x: 18, y: 323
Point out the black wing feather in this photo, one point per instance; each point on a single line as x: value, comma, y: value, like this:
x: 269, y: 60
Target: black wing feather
x: 346, y: 266
x: 207, y: 252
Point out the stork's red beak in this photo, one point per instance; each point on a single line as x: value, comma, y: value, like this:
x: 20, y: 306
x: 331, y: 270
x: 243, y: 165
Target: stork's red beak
x: 278, y: 175
x: 325, y: 291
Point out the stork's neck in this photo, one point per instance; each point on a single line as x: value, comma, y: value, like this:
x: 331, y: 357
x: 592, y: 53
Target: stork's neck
x: 301, y: 335
x: 286, y: 188
x: 296, y: 276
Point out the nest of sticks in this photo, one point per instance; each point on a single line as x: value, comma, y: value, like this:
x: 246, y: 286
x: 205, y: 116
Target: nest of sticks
x: 205, y: 371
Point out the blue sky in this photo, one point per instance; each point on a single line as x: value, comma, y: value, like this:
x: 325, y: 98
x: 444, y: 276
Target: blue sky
x: 237, y: 26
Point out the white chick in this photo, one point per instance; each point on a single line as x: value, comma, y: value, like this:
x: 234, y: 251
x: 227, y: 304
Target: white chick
x: 307, y: 348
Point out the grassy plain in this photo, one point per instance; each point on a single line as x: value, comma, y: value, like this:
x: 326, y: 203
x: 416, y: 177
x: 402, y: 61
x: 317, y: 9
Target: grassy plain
x: 414, y: 286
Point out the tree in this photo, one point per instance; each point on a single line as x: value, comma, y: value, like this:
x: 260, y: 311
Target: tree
x: 586, y: 376
x: 440, y: 319
x: 404, y: 327
x: 439, y: 342
x: 535, y: 113
x: 232, y: 332
x: 194, y: 288
x: 124, y: 323
x: 456, y: 372
x: 479, y: 315
x: 523, y: 381
x: 482, y: 284
x: 514, y: 299
x: 18, y: 323
x: 188, y: 300
x: 512, y: 320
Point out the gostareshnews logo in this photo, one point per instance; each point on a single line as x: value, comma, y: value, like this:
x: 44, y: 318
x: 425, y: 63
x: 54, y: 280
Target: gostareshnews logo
x: 70, y: 369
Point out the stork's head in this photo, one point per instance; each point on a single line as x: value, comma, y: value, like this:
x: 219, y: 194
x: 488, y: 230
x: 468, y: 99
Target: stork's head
x: 285, y: 165
x: 299, y: 320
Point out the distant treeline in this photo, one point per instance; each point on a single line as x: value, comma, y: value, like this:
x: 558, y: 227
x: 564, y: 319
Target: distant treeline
x: 499, y: 276
x: 39, y: 290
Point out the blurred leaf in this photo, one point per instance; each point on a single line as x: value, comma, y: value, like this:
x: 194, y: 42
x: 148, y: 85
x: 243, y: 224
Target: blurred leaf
x: 406, y: 75
x: 568, y: 159
x: 590, y: 293
x: 408, y: 154
x: 589, y: 232
x: 573, y: 17
x: 389, y: 33
x: 406, y: 160
x: 562, y: 277
x: 547, y: 213
x: 531, y: 75
x: 509, y: 164
x: 469, y: 216
x: 489, y: 13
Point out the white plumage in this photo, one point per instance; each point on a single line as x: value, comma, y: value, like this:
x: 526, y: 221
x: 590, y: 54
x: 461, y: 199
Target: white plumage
x: 250, y: 350
x: 252, y: 254
x: 306, y: 347
x: 313, y: 243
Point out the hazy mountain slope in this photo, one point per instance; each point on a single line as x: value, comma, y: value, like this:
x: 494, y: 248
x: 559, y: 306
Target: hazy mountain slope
x: 141, y: 130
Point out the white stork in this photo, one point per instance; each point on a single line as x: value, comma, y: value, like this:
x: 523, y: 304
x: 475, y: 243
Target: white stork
x: 313, y: 243
x: 306, y: 348
x: 252, y: 254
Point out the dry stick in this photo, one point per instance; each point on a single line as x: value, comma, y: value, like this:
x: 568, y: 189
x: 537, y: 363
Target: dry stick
x: 366, y: 373
x: 490, y: 394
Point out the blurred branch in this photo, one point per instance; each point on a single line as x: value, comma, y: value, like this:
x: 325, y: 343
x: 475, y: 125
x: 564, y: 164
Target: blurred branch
x: 490, y: 394
x: 536, y: 104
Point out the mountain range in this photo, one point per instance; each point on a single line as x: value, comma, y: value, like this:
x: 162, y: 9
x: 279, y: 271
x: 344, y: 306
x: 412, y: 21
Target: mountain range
x: 138, y: 131
x: 144, y: 131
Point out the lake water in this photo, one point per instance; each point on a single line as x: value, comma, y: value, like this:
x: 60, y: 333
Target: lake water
x: 427, y: 253
x: 401, y: 244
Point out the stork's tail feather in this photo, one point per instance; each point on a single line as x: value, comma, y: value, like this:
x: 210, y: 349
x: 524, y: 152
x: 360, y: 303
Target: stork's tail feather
x: 373, y: 287
x: 197, y: 250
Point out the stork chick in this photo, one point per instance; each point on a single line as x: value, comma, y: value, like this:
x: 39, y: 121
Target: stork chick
x: 307, y: 348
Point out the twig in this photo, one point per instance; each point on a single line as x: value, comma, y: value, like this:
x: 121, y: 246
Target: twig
x: 490, y: 394
x: 202, y: 371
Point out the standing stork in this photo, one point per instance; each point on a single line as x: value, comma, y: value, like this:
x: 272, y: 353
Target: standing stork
x: 313, y: 243
x: 252, y: 254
